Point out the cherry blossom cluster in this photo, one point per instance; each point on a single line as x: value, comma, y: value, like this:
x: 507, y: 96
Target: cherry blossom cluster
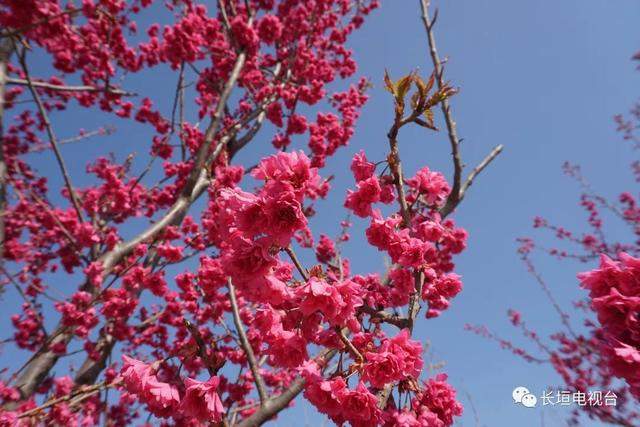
x: 424, y: 246
x: 614, y: 290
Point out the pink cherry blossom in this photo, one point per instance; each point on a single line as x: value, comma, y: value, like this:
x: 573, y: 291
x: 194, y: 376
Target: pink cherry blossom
x: 201, y: 400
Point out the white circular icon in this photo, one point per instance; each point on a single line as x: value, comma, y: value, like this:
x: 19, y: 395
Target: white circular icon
x: 529, y: 400
x: 519, y: 393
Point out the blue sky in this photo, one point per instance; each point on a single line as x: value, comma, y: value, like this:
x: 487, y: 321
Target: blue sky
x: 542, y: 77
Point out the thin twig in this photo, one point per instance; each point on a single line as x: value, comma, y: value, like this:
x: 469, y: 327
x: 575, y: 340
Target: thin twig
x: 238, y: 144
x: 448, y: 208
x: 458, y: 189
x: 564, y: 317
x: 6, y: 50
x: 246, y: 346
x: 354, y: 351
x: 74, y: 139
x: 65, y: 88
x: 52, y: 138
x: 483, y: 164
x: 296, y: 262
x: 85, y: 391
x: 148, y: 321
x: 454, y: 141
x: 202, y: 347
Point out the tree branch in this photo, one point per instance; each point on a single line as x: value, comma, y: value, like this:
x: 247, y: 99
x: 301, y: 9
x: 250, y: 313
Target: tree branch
x: 483, y: 164
x: 52, y: 138
x: 458, y: 190
x: 202, y: 348
x: 246, y: 346
x: 6, y: 50
x: 277, y: 404
x: 85, y: 391
x: 447, y: 209
x: 74, y: 139
x: 396, y: 169
x: 203, y: 152
x: 383, y: 316
x: 303, y: 271
x: 64, y: 88
x: 454, y: 141
x: 354, y: 351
